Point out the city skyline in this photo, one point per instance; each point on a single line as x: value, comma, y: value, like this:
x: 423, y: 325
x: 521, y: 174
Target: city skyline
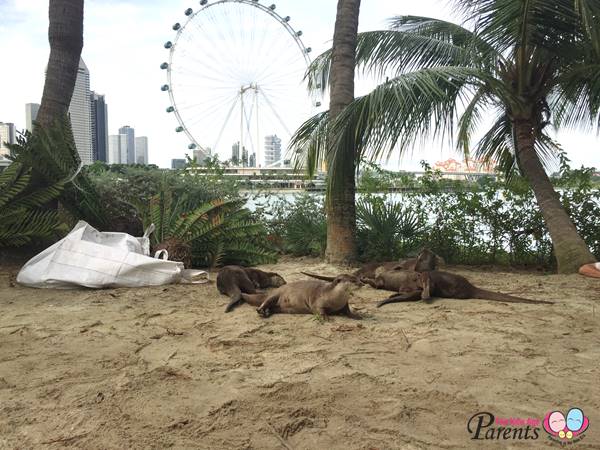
x: 134, y: 89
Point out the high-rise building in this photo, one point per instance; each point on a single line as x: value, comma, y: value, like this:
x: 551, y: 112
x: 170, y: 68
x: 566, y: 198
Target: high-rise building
x: 272, y: 150
x: 252, y: 160
x: 201, y: 155
x: 141, y: 150
x: 130, y: 132
x: 31, y: 112
x: 117, y: 149
x: 7, y: 136
x: 99, y: 117
x: 80, y: 113
x: 178, y: 163
x: 235, y: 154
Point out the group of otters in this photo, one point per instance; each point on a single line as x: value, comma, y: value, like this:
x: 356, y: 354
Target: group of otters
x: 409, y: 279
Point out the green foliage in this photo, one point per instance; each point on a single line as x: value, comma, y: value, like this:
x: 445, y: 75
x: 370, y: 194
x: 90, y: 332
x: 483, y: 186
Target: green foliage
x: 487, y: 222
x: 387, y: 230
x: 296, y: 227
x: 52, y: 156
x: 218, y: 231
x: 23, y: 221
x: 122, y: 186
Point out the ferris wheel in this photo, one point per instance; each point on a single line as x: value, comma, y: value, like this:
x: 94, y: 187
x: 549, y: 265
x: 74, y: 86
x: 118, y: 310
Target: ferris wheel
x: 235, y: 79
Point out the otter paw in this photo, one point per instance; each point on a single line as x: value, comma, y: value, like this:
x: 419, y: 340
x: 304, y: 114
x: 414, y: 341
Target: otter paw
x: 263, y: 312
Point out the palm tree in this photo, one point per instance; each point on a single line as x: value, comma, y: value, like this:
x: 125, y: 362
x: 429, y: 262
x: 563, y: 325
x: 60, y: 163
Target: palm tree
x: 65, y: 34
x: 341, y: 210
x: 527, y: 64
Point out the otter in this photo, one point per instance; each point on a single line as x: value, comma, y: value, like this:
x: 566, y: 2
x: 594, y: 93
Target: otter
x: 308, y: 297
x: 235, y: 280
x: 425, y: 261
x: 446, y: 285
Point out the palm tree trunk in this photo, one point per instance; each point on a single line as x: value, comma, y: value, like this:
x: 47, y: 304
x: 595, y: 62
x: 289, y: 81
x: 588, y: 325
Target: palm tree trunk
x: 65, y: 34
x: 341, y: 209
x: 569, y: 248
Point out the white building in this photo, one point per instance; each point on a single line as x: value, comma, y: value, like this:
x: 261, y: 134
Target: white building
x: 80, y: 113
x: 117, y: 149
x: 7, y: 135
x: 130, y: 150
x: 31, y: 112
x: 272, y: 150
x: 141, y: 150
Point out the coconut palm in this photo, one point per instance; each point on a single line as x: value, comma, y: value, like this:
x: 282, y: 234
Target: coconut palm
x: 65, y: 34
x: 341, y: 211
x: 527, y: 64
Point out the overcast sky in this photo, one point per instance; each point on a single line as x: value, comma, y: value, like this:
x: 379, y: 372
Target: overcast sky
x: 123, y: 48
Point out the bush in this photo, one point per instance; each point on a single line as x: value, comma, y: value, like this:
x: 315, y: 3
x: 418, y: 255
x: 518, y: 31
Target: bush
x: 296, y: 227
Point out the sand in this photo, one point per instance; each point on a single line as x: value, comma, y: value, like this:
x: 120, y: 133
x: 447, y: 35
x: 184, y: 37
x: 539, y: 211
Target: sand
x: 164, y: 367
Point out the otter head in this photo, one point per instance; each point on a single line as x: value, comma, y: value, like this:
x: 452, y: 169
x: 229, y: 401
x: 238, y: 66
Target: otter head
x: 276, y: 280
x: 349, y: 283
x: 427, y: 261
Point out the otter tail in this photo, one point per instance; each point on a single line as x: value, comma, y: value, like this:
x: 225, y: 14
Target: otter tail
x: 497, y: 296
x: 318, y: 277
x: 254, y: 299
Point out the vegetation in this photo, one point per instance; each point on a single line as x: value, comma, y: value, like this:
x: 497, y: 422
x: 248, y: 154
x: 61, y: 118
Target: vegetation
x: 24, y: 220
x: 216, y: 232
x: 481, y: 223
x: 531, y: 64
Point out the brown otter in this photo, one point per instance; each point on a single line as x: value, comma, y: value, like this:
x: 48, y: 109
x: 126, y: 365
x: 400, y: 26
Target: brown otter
x: 445, y: 285
x: 425, y: 261
x: 308, y: 297
x: 233, y: 280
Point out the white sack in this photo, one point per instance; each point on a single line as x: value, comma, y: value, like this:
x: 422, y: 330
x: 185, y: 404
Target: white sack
x: 90, y: 258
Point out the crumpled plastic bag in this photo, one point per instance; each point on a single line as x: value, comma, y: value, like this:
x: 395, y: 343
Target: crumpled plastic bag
x: 93, y: 259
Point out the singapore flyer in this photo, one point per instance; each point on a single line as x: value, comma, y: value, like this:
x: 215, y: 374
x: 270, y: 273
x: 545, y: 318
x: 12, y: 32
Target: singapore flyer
x: 235, y: 79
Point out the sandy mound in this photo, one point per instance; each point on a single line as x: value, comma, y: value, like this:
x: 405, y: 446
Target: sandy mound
x: 164, y: 367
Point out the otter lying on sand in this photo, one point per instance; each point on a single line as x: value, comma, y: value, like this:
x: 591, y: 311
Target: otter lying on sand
x: 425, y: 260
x: 308, y: 297
x: 442, y: 284
x: 235, y: 280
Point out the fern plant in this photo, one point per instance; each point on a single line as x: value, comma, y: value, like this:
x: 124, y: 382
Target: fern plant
x: 23, y: 220
x: 216, y: 232
x: 52, y: 156
x: 387, y: 230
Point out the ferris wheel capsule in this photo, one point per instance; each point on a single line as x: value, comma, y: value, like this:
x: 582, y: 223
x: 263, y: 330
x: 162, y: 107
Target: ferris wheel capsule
x: 272, y: 7
x: 164, y: 87
x: 299, y: 33
x: 179, y: 129
x: 170, y: 109
x: 189, y: 12
x: 177, y: 26
x: 192, y: 146
x: 203, y: 2
x: 287, y: 18
x: 168, y: 44
x: 164, y: 66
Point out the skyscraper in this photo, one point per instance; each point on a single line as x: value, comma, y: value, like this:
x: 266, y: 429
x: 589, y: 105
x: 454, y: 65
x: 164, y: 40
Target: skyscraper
x: 272, y: 150
x: 117, y: 149
x: 202, y: 155
x: 141, y: 150
x: 99, y: 117
x: 80, y: 113
x: 130, y: 132
x: 7, y: 136
x: 31, y: 111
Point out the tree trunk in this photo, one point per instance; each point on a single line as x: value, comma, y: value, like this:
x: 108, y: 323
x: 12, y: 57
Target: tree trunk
x: 569, y: 248
x: 65, y: 34
x: 341, y: 208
